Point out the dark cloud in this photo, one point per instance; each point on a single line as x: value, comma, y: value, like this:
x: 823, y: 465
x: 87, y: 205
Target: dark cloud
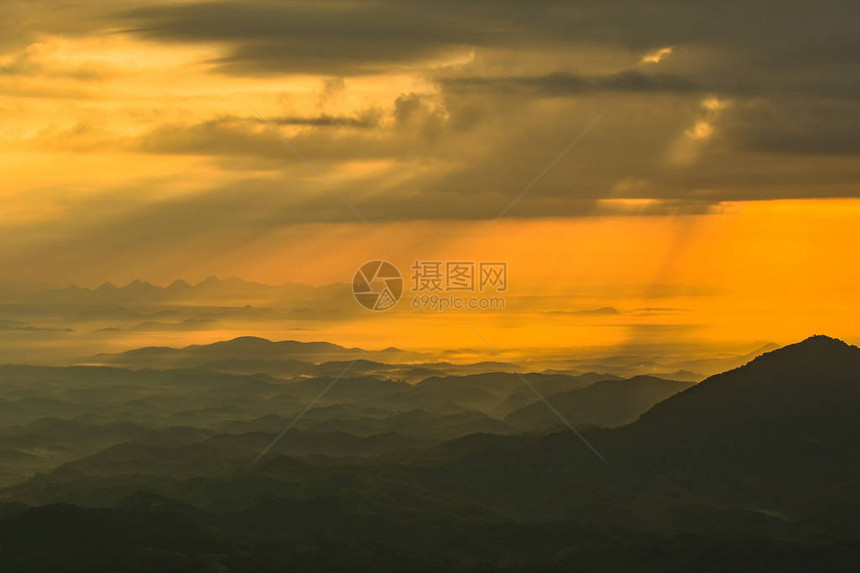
x: 23, y: 22
x: 797, y: 127
x: 243, y: 136
x: 563, y: 84
x: 359, y: 36
x: 482, y: 130
x: 759, y: 50
x: 310, y: 37
x: 479, y: 168
x: 365, y: 120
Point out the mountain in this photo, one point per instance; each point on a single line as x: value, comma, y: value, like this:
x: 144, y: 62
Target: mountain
x: 755, y: 469
x: 249, y: 354
x: 778, y: 435
x: 805, y: 394
x: 493, y: 393
x: 211, y: 289
x: 606, y: 403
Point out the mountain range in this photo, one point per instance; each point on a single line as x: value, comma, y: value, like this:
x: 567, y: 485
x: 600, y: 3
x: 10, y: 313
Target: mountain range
x: 753, y: 469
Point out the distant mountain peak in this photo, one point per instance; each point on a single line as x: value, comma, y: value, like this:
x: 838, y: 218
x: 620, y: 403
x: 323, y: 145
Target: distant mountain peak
x: 247, y: 339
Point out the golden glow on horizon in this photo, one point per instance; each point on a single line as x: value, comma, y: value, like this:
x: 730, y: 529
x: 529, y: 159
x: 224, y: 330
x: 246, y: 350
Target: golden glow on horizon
x: 80, y: 111
x: 773, y: 270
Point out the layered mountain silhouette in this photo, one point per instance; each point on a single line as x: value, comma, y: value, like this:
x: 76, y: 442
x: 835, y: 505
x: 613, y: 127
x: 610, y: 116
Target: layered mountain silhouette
x: 776, y: 435
x: 754, y: 469
x: 607, y: 403
x: 250, y: 354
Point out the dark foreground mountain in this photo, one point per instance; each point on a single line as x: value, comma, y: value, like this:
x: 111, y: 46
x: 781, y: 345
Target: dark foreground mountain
x: 789, y: 415
x: 777, y: 437
x: 755, y: 469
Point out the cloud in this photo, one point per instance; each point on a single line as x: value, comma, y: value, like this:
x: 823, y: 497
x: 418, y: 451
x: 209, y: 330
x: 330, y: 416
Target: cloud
x: 368, y: 119
x: 357, y: 36
x: 233, y: 135
x: 797, y: 127
x: 602, y: 311
x: 657, y: 56
x: 762, y: 52
x: 691, y: 144
x: 561, y: 84
x: 307, y: 37
x: 18, y: 326
x: 415, y: 111
x: 28, y: 63
x: 189, y: 325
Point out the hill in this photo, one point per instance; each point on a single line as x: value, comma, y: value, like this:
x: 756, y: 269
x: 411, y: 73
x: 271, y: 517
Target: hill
x: 607, y: 403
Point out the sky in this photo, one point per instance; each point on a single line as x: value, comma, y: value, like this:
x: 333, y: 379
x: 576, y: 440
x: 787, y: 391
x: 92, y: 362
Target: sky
x: 667, y: 171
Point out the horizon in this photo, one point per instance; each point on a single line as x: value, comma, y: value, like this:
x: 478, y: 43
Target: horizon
x: 455, y: 286
x: 297, y: 311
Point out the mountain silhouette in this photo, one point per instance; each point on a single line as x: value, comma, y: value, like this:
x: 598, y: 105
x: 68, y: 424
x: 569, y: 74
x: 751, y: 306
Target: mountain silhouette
x: 754, y: 469
x: 777, y: 435
x: 247, y: 354
x: 811, y: 388
x: 606, y: 403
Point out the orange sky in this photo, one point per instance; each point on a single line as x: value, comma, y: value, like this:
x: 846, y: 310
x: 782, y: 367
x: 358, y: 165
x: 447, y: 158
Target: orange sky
x: 701, y: 207
x: 776, y: 270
